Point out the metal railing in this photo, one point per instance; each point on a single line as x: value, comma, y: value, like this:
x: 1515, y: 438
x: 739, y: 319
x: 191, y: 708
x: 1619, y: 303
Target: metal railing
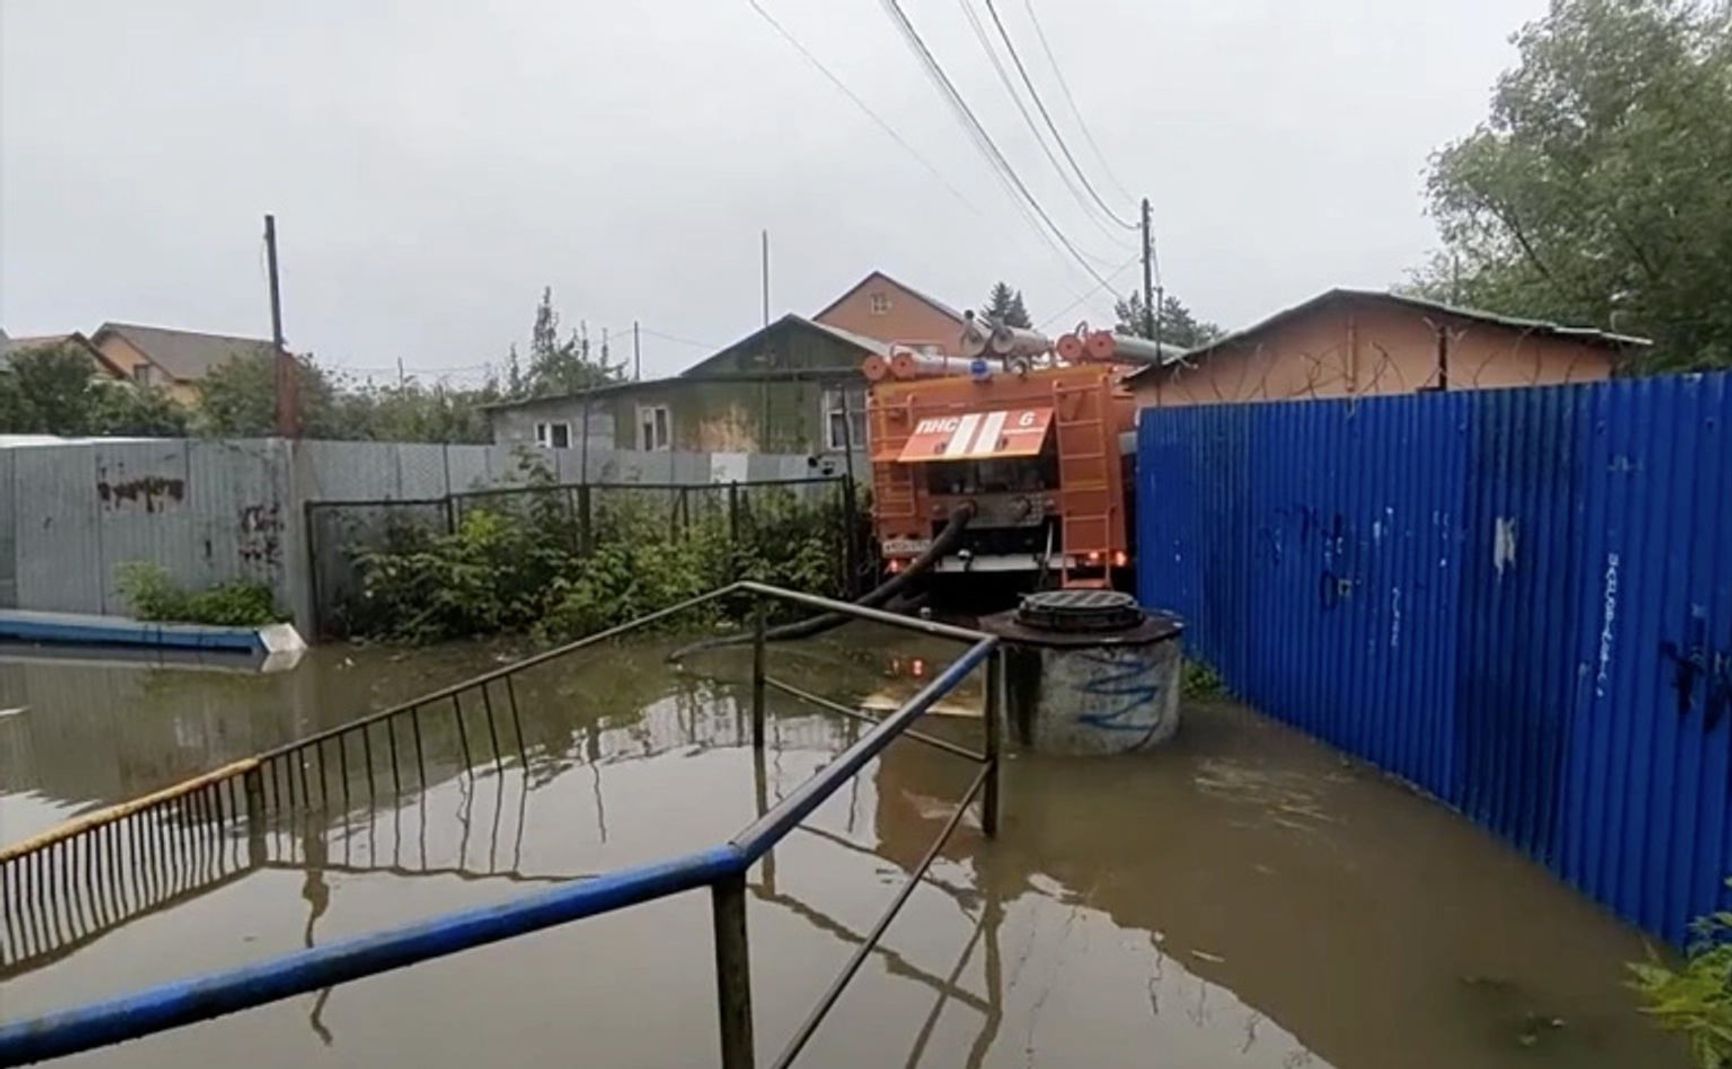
x: 282, y: 778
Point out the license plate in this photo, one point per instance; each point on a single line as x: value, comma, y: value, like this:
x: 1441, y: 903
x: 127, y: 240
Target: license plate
x: 906, y: 547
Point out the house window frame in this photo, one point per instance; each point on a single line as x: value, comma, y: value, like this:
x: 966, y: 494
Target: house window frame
x: 878, y: 303
x: 143, y: 375
x: 647, y: 435
x: 544, y: 436
x: 833, y: 401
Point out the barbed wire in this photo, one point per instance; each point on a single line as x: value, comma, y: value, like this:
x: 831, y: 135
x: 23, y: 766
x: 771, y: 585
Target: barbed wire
x: 1264, y: 373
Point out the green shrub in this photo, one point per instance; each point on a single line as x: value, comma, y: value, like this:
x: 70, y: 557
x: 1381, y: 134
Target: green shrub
x: 1695, y: 1000
x: 514, y: 564
x: 1200, y: 680
x: 152, y: 595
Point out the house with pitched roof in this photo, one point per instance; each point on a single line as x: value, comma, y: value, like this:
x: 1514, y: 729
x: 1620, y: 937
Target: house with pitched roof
x: 174, y: 360
x: 792, y: 387
x: 1355, y: 343
x: 880, y: 307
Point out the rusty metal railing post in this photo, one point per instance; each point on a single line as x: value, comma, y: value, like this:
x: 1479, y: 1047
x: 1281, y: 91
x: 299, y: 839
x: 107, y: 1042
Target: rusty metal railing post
x: 253, y: 781
x: 758, y: 673
x: 733, y: 971
x: 994, y: 763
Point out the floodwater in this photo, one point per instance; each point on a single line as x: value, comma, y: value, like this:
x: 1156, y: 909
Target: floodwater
x: 1242, y: 898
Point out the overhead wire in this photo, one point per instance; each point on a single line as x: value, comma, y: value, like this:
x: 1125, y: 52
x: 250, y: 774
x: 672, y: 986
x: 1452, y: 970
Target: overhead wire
x: 1015, y: 97
x: 1090, y: 212
x: 983, y: 140
x: 1061, y: 313
x: 1040, y: 105
x: 861, y: 104
x: 1070, y: 101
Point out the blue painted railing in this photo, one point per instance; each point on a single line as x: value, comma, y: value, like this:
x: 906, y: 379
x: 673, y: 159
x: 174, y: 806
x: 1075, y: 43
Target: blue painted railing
x: 1520, y: 600
x: 721, y: 868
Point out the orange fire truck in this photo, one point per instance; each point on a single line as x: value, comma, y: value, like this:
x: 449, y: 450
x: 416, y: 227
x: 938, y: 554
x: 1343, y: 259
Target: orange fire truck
x: 1038, y: 445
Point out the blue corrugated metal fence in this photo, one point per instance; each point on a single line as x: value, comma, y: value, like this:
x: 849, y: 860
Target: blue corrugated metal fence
x: 1520, y: 600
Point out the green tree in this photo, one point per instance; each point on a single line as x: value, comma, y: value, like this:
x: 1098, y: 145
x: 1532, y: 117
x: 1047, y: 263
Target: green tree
x: 1179, y: 326
x: 1596, y: 191
x: 127, y: 409
x: 60, y: 390
x: 559, y: 365
x: 238, y: 399
x: 1004, y: 305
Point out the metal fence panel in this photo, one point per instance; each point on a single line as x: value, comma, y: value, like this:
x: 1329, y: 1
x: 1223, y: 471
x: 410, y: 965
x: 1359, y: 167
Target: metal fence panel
x: 8, y: 533
x: 421, y: 469
x: 59, y: 555
x: 1520, y: 600
x: 241, y: 517
x: 348, y: 471
x: 466, y: 467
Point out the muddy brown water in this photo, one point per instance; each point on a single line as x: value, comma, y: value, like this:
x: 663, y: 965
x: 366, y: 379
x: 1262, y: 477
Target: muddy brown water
x: 1242, y: 898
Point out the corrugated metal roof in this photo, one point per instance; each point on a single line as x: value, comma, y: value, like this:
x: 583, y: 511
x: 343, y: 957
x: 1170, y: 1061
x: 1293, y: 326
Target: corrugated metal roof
x: 1590, y: 335
x: 696, y: 372
x: 186, y: 354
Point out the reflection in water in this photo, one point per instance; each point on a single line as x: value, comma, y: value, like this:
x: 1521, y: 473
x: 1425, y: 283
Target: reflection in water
x: 1241, y: 899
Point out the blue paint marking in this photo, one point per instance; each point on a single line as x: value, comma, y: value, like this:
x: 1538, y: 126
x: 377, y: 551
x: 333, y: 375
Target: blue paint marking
x: 1130, y: 677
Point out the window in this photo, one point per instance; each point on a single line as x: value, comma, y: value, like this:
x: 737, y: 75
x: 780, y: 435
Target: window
x: 834, y: 414
x: 652, y: 427
x: 141, y: 374
x: 553, y: 435
x: 880, y: 304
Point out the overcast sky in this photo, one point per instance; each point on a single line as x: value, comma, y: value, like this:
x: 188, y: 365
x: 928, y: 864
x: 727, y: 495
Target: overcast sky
x: 432, y: 165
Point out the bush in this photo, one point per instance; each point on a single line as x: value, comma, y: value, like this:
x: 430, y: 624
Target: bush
x: 152, y: 595
x: 1200, y: 680
x: 514, y: 564
x: 1695, y: 1000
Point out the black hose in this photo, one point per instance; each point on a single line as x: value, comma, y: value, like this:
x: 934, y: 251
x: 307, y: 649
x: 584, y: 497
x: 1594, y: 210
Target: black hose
x: 817, y: 625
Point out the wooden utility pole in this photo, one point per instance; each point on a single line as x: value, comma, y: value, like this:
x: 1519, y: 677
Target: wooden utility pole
x: 288, y: 423
x: 767, y: 358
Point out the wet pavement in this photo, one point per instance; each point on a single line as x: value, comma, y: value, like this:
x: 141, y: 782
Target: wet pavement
x: 1243, y: 898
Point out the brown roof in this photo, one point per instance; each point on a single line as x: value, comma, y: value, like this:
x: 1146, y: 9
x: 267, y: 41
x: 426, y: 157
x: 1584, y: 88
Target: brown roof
x: 10, y: 347
x: 933, y: 302
x: 185, y: 354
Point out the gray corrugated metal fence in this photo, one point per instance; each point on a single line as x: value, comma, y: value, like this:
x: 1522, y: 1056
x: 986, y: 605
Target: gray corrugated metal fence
x: 212, y: 510
x: 1520, y: 600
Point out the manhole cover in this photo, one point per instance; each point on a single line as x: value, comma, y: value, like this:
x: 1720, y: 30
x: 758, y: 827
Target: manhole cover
x: 1080, y: 610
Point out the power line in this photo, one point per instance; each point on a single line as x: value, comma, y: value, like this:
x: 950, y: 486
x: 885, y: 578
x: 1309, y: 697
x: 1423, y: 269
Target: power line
x: 1022, y: 109
x: 977, y: 136
x: 861, y: 104
x: 1050, y: 125
x: 983, y: 139
x: 1121, y: 269
x: 676, y: 338
x: 1076, y: 112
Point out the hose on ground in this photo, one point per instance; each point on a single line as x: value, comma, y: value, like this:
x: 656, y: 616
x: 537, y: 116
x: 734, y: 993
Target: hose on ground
x: 878, y: 595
